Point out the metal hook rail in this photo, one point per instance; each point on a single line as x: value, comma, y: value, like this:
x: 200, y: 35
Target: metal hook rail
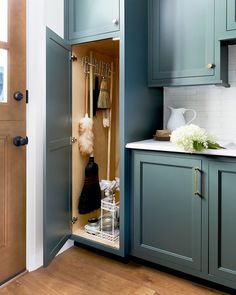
x: 101, y: 68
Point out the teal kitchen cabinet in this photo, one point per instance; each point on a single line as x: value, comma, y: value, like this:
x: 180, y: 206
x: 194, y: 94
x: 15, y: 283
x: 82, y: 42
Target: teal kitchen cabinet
x: 168, y: 206
x: 182, y: 48
x: 226, y: 20
x: 222, y: 212
x: 183, y: 210
x: 65, y: 99
x: 231, y: 15
x: 87, y: 18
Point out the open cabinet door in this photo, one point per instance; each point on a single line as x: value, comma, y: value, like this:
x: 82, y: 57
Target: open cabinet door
x: 57, y: 159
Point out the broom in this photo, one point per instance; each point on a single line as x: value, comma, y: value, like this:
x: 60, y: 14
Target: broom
x: 109, y: 130
x: 90, y: 198
x: 104, y: 102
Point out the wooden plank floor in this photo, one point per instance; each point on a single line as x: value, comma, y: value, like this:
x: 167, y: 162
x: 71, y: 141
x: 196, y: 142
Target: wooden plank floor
x: 80, y: 271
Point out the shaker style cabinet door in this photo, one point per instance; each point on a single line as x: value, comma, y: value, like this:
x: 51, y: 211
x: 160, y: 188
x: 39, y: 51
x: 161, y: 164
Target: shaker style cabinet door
x: 231, y: 15
x: 167, y: 210
x: 225, y: 20
x: 90, y: 18
x: 57, y: 153
x: 181, y: 41
x: 222, y: 212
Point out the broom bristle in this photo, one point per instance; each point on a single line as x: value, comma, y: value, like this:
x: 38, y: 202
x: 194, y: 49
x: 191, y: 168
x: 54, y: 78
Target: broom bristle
x: 90, y: 198
x: 104, y: 97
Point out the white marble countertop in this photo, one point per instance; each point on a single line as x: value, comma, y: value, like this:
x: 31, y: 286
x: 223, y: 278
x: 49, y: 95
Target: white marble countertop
x: 167, y: 146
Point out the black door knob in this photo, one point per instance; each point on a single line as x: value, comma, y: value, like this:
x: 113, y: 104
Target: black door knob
x: 18, y: 95
x: 19, y: 141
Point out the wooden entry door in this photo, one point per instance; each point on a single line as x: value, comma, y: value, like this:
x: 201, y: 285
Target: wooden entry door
x: 12, y: 124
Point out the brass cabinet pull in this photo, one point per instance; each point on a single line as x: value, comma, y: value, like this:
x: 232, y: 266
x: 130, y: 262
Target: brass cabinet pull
x: 210, y: 66
x: 197, y: 171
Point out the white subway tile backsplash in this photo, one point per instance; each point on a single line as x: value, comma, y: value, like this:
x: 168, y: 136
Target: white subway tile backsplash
x: 215, y: 105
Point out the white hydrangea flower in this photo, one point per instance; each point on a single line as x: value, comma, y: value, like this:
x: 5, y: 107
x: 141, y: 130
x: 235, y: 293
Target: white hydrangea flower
x: 192, y: 137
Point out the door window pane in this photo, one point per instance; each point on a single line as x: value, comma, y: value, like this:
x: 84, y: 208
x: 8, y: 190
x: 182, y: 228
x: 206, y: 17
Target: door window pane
x: 3, y: 20
x: 3, y: 75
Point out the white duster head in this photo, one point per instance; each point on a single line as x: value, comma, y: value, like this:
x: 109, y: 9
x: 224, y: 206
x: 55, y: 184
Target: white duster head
x: 86, y: 136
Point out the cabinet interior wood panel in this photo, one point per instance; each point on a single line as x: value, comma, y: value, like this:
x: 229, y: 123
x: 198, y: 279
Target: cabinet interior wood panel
x: 106, y: 51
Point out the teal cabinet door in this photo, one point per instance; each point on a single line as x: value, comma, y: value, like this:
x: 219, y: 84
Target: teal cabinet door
x: 222, y: 212
x: 225, y: 14
x: 90, y: 18
x: 57, y: 149
x: 231, y: 15
x: 167, y: 210
x: 181, y: 42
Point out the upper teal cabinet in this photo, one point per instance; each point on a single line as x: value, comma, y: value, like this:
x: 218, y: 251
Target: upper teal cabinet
x: 231, y: 15
x: 92, y: 18
x: 182, y: 47
x: 226, y: 20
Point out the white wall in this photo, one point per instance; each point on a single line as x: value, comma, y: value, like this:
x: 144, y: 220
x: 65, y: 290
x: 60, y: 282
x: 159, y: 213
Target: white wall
x: 55, y: 16
x: 39, y: 14
x: 215, y: 105
x: 36, y: 86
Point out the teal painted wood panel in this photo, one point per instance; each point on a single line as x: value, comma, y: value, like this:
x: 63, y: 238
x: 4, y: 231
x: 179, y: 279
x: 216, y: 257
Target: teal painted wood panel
x: 136, y: 98
x: 231, y: 15
x: 222, y: 212
x: 57, y: 155
x: 167, y: 214
x: 91, y: 18
x: 225, y: 21
x: 181, y: 41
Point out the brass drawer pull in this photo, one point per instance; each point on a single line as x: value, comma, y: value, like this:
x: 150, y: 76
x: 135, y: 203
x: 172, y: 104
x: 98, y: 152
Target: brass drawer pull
x: 197, y: 171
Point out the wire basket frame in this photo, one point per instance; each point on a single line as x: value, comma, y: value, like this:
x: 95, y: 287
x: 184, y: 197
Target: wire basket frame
x: 108, y: 209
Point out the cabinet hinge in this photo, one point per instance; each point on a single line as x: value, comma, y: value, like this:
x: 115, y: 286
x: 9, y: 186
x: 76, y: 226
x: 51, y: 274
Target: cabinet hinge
x: 73, y: 140
x: 73, y: 58
x: 74, y: 220
x: 27, y: 96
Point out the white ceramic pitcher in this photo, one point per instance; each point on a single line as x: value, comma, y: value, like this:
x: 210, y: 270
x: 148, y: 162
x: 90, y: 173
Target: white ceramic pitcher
x: 177, y: 118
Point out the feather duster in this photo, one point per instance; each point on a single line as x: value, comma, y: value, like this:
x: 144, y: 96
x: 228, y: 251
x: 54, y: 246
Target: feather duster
x: 86, y: 137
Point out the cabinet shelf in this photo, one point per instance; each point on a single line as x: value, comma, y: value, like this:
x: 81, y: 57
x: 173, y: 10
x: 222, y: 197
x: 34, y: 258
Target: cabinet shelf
x: 82, y: 233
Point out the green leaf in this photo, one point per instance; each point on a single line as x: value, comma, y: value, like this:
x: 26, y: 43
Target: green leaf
x: 198, y: 146
x: 214, y: 146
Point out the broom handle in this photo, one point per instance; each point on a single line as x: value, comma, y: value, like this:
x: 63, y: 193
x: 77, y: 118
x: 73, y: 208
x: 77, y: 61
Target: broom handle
x: 86, y: 93
x: 91, y: 89
x: 109, y: 130
x: 91, y: 85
